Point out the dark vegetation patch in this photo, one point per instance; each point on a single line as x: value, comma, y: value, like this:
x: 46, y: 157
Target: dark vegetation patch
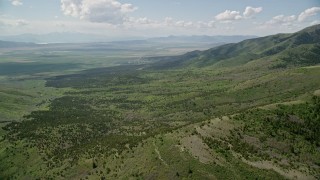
x: 33, y: 68
x: 99, y: 77
x: 72, y: 127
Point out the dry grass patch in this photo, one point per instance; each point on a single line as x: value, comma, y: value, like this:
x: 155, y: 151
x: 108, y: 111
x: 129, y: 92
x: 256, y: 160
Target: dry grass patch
x: 198, y: 149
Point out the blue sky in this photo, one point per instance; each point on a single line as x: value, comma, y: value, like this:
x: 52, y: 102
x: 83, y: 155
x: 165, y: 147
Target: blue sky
x: 135, y: 18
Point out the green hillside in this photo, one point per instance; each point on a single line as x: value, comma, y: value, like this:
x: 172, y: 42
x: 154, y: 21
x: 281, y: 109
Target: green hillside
x: 297, y: 49
x: 248, y: 110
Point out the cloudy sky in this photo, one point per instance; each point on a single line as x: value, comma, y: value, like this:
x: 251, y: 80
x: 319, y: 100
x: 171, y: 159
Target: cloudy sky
x: 147, y: 18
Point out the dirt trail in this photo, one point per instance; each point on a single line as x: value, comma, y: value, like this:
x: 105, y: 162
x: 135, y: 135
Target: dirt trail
x: 159, y: 155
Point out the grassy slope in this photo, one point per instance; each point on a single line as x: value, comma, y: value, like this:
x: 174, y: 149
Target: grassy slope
x: 139, y: 123
x: 19, y: 98
x: 162, y: 98
x: 300, y: 48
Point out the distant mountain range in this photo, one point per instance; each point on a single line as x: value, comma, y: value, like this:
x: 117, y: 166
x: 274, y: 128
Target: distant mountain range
x: 68, y: 37
x: 204, y: 39
x: 10, y: 44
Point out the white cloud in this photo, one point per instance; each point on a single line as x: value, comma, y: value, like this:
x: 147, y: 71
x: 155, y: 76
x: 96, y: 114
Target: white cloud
x: 211, y: 24
x: 102, y: 11
x: 16, y: 2
x: 168, y: 21
x: 280, y: 23
x: 308, y: 12
x: 291, y: 22
x: 2, y: 24
x: 282, y: 20
x: 60, y: 24
x: 126, y: 8
x: 250, y: 11
x: 228, y: 16
x: 138, y: 21
x: 184, y: 24
x: 21, y: 22
x: 315, y: 22
x: 144, y: 20
x: 13, y: 22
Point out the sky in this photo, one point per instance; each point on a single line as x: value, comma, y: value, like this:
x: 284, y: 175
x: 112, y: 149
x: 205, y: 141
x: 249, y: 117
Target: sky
x: 154, y: 18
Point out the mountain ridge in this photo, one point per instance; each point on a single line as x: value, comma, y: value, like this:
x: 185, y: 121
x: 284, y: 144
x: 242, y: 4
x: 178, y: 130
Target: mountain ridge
x: 279, y: 46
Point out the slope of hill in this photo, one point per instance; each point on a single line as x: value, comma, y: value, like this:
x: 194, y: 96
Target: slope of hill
x: 217, y: 114
x: 300, y: 48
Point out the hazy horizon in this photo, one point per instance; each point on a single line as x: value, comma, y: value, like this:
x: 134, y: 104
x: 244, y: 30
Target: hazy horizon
x: 131, y: 19
x: 71, y: 37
